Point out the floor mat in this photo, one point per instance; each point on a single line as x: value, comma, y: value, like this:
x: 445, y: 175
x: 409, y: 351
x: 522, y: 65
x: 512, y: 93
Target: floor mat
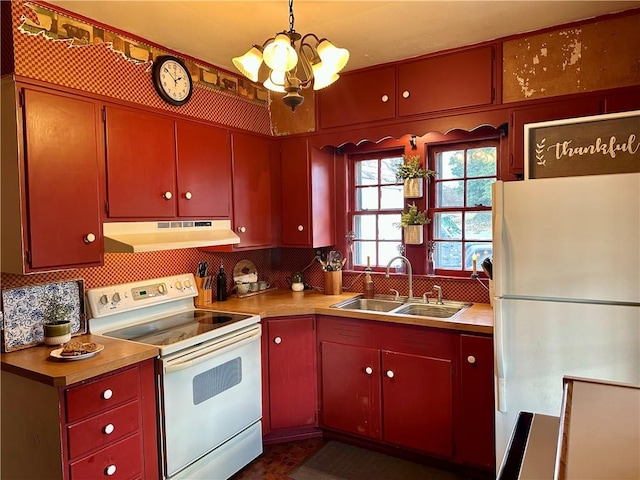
x: 339, y: 461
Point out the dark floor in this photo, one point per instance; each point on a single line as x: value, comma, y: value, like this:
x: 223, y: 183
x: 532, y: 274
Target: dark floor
x: 279, y: 460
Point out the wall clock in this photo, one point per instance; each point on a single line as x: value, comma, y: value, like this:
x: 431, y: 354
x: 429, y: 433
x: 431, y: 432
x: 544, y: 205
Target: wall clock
x: 172, y: 80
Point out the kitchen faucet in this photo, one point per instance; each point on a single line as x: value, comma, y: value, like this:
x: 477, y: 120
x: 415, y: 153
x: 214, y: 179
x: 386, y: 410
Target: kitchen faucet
x: 438, y: 290
x: 409, y: 270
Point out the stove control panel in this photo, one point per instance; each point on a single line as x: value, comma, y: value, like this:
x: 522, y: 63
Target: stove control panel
x: 125, y: 297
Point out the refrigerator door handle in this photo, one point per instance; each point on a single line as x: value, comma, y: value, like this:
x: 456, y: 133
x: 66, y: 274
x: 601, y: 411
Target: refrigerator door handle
x: 498, y: 340
x: 499, y: 242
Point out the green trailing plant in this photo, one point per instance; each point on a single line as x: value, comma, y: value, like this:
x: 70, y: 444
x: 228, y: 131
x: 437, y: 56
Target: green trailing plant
x: 54, y: 310
x: 411, y: 216
x: 412, y: 168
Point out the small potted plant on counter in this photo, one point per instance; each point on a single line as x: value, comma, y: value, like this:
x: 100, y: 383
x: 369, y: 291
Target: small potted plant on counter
x: 57, y: 326
x: 412, y: 221
x: 412, y: 173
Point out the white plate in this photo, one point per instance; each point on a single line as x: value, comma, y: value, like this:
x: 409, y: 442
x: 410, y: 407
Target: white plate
x: 56, y: 354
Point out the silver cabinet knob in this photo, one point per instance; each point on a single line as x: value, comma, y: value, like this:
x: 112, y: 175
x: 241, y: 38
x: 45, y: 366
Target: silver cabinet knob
x: 108, y: 429
x: 385, y: 98
x: 107, y: 394
x: 89, y: 238
x: 406, y: 94
x: 368, y: 370
x: 242, y: 229
x: 188, y: 195
x: 110, y: 470
x: 390, y: 374
x: 167, y: 195
x: 277, y: 340
x: 471, y: 359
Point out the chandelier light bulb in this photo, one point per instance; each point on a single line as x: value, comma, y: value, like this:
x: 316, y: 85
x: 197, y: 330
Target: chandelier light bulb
x: 279, y: 55
x: 275, y: 82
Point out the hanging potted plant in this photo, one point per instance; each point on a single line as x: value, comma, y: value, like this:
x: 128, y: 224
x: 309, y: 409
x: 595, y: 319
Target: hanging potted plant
x: 57, y: 325
x: 412, y: 222
x: 412, y: 173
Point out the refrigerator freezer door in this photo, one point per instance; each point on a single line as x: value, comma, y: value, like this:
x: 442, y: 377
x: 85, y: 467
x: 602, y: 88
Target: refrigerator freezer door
x: 574, y: 238
x: 541, y: 342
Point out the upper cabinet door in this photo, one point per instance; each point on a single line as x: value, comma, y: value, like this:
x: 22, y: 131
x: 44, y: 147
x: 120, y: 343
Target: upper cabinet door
x: 296, y: 198
x: 62, y: 174
x: 359, y: 97
x: 141, y: 178
x: 252, y: 211
x: 456, y: 80
x: 204, y: 171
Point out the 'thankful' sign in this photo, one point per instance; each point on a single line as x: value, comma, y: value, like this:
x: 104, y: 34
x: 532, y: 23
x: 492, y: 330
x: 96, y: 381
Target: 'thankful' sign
x: 583, y: 146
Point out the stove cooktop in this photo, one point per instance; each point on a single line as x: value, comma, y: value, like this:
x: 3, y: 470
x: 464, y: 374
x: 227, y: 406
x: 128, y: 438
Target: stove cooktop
x: 177, y: 327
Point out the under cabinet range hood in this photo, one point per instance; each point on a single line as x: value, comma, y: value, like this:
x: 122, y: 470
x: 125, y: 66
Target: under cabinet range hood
x: 129, y: 237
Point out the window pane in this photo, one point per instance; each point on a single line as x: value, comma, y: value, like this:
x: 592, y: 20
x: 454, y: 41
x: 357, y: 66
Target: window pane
x: 481, y: 249
x: 366, y: 172
x: 363, y: 249
x: 450, y: 164
x: 367, y: 198
x: 392, y: 197
x: 450, y: 194
x: 386, y: 228
x: 448, y: 255
x: 387, y: 169
x: 388, y: 250
x: 365, y: 226
x: 479, y: 192
x: 481, y: 162
x: 447, y: 225
x: 477, y: 226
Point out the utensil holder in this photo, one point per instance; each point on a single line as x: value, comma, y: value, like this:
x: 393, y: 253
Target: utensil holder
x: 333, y: 282
x: 204, y: 296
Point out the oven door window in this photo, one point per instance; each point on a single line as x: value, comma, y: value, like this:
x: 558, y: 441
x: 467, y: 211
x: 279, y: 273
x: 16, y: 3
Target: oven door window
x: 208, y: 399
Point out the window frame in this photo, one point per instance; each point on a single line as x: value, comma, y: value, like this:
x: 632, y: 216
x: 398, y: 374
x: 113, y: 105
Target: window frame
x: 432, y: 152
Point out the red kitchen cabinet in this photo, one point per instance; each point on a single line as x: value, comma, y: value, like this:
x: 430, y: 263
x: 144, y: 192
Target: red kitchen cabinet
x: 390, y: 383
x: 203, y: 170
x: 550, y: 111
x: 252, y: 195
x: 50, y: 181
x: 104, y: 427
x: 141, y: 164
x: 455, y: 80
x: 359, y: 97
x: 477, y: 427
x: 291, y: 387
x: 307, y: 193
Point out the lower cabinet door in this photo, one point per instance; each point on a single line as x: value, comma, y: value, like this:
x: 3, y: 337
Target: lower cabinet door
x: 292, y: 378
x: 418, y: 402
x: 351, y: 389
x: 122, y: 460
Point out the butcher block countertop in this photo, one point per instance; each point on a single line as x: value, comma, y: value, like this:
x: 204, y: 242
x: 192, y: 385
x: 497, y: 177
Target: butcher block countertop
x: 284, y: 302
x: 36, y: 364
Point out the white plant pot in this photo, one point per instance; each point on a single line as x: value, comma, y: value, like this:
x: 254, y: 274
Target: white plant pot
x: 413, y: 188
x: 413, y: 234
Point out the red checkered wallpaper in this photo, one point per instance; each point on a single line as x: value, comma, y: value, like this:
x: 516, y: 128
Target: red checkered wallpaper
x: 97, y: 69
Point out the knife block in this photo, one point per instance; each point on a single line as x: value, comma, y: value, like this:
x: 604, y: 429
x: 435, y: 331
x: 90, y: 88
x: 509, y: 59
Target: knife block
x: 204, y: 296
x: 333, y: 282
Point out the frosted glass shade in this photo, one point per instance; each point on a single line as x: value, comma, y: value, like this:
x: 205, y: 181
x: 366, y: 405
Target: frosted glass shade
x: 323, y: 76
x: 275, y: 82
x: 279, y: 55
x: 249, y: 63
x: 331, y: 56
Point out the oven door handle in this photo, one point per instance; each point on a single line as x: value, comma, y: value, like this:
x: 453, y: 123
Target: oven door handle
x: 206, y: 353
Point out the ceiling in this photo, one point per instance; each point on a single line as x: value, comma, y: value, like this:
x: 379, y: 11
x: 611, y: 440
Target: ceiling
x: 374, y: 32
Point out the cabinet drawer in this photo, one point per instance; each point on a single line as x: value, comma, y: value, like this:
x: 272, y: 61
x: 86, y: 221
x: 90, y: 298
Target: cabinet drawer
x: 101, y: 395
x: 103, y: 429
x: 121, y: 460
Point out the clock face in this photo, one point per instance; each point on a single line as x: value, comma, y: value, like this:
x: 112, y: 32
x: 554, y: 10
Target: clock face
x: 172, y: 80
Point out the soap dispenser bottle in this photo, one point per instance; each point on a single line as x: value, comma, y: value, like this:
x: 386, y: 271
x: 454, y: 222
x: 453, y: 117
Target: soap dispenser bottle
x: 368, y: 281
x: 221, y: 285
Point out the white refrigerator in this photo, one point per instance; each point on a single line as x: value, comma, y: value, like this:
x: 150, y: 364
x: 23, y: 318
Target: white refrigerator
x: 566, y: 273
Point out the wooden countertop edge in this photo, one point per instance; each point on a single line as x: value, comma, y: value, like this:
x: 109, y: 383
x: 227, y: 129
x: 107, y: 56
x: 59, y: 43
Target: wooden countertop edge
x: 36, y: 364
x: 282, y: 303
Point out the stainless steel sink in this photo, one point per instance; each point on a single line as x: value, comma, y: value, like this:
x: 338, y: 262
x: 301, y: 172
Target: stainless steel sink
x: 448, y: 310
x: 369, y: 304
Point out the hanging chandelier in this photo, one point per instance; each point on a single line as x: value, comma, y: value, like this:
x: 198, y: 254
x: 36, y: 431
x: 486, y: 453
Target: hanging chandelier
x: 282, y: 66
